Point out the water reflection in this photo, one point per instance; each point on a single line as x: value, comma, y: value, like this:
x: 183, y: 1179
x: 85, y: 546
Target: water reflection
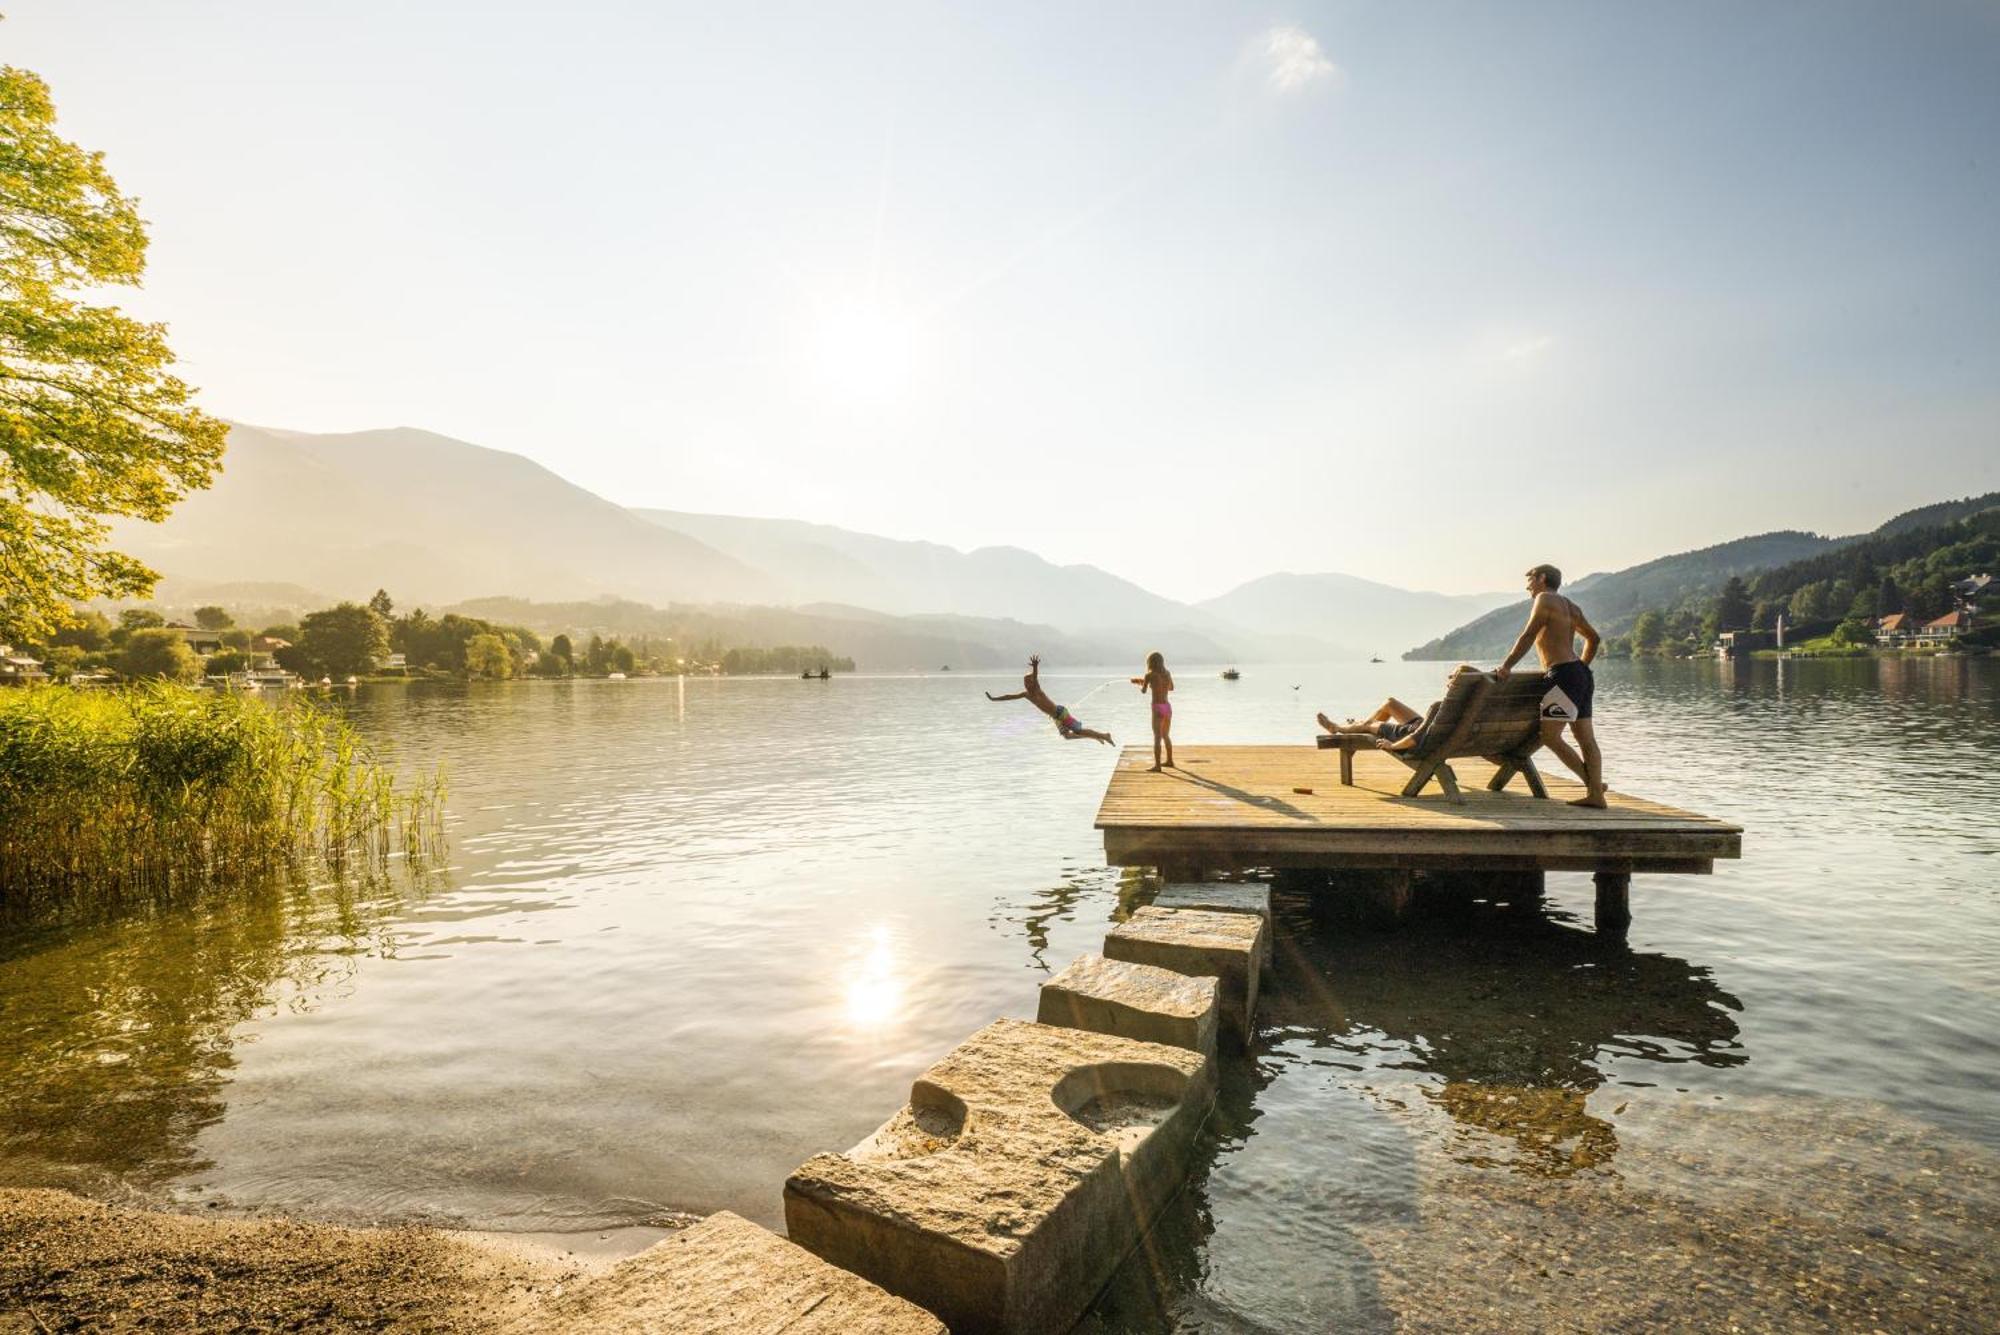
x: 875, y: 992
x: 1505, y: 1021
x: 122, y: 1041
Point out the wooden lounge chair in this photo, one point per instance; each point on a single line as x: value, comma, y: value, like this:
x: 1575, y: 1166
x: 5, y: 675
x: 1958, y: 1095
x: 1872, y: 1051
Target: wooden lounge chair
x: 1477, y: 717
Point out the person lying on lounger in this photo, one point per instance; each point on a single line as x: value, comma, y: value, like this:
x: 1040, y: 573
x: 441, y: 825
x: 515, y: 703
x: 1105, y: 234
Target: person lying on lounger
x: 1393, y: 724
x: 1066, y: 722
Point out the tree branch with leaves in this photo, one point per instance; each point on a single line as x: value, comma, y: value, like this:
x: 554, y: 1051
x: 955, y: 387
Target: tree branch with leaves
x: 93, y: 423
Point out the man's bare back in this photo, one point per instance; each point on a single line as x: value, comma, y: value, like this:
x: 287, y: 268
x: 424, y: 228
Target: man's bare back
x: 1555, y: 620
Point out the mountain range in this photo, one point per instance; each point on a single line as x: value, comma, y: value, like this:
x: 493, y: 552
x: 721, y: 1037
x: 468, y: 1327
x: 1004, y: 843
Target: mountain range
x: 443, y: 522
x: 297, y: 520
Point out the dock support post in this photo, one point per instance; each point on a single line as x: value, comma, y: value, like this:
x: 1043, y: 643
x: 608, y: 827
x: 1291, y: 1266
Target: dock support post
x: 1521, y: 889
x: 1614, y: 902
x: 1178, y: 873
x: 1389, y: 895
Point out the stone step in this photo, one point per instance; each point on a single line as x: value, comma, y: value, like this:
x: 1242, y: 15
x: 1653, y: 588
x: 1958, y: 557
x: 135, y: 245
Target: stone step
x: 724, y: 1276
x: 1028, y: 1164
x: 1224, y: 897
x: 1130, y: 1000
x: 1227, y: 946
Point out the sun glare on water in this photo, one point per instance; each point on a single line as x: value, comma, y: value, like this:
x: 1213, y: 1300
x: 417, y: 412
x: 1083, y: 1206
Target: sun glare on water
x: 874, y: 993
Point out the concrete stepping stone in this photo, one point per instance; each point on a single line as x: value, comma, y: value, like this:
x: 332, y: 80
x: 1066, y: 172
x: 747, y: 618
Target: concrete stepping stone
x: 1133, y: 1001
x: 1027, y: 1165
x: 1224, y: 897
x: 1228, y: 946
x: 724, y: 1276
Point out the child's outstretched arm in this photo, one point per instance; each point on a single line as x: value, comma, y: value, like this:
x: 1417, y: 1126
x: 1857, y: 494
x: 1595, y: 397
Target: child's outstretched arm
x: 1018, y: 695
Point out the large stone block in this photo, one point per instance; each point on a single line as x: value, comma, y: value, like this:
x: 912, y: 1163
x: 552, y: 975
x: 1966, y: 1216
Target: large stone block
x: 1029, y: 1162
x: 1133, y: 1001
x: 1228, y: 946
x: 724, y: 1276
x: 1224, y: 897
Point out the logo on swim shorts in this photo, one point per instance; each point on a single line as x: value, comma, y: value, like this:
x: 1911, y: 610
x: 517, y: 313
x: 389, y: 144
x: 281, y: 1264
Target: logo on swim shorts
x: 1557, y: 704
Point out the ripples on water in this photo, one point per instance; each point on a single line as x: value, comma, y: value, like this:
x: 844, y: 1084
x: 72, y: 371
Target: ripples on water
x: 696, y: 931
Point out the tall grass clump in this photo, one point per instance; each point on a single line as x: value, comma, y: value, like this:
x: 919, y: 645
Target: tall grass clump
x: 111, y: 799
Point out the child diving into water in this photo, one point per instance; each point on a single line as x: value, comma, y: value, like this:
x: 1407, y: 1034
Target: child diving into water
x: 1066, y: 722
x: 1159, y: 682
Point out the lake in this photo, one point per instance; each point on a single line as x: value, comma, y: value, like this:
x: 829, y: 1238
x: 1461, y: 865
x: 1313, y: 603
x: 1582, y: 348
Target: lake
x: 694, y: 931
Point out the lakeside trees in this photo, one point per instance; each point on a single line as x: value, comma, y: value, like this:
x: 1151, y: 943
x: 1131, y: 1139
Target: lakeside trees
x: 1908, y: 570
x: 92, y: 422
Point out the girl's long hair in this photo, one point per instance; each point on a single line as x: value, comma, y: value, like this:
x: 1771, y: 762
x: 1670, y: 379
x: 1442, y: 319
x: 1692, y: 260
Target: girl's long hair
x: 1156, y: 662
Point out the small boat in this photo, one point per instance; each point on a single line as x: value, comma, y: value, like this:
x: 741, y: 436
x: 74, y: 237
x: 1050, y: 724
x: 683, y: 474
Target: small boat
x: 945, y: 668
x: 1374, y: 660
x: 1230, y: 674
x: 807, y: 675
x: 614, y: 676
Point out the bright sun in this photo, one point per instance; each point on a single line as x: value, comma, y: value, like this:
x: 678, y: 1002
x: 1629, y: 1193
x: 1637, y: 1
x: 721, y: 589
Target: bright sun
x: 867, y: 350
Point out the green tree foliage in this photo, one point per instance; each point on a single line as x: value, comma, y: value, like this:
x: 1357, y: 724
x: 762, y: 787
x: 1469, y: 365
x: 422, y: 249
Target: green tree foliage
x: 1732, y: 606
x: 139, y: 618
x: 486, y: 656
x: 1853, y: 631
x: 88, y: 631
x: 343, y: 640
x: 226, y: 662
x: 381, y: 604
x: 786, y: 658
x: 1648, y: 633
x: 213, y: 618
x: 236, y: 638
x: 560, y: 647
x: 622, y: 658
x: 1889, y: 599
x: 156, y: 652
x: 92, y: 423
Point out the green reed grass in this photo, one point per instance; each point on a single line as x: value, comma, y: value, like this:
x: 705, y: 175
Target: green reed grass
x: 112, y: 799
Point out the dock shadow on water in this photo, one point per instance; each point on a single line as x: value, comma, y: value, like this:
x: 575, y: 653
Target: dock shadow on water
x: 1487, y: 1120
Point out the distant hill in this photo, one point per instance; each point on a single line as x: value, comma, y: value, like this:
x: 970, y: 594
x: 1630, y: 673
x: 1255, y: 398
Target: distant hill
x: 1614, y: 601
x: 1938, y: 515
x: 1353, y: 617
x: 427, y: 517
x: 818, y: 563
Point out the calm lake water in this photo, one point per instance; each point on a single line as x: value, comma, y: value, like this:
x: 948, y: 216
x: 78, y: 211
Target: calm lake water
x: 693, y: 932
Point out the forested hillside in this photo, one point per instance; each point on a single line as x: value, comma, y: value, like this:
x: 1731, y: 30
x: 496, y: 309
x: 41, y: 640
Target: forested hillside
x: 1681, y: 602
x: 1614, y: 601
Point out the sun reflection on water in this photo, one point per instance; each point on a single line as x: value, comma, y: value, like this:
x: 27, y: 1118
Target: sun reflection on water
x: 875, y: 992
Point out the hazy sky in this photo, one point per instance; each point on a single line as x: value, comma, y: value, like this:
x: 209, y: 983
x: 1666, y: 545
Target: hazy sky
x: 1188, y: 291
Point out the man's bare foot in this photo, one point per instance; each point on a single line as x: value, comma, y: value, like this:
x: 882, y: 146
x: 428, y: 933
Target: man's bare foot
x: 1326, y: 723
x: 1598, y: 802
x: 1152, y: 769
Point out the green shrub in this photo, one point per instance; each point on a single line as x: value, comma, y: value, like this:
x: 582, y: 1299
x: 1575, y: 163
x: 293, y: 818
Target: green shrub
x: 115, y: 798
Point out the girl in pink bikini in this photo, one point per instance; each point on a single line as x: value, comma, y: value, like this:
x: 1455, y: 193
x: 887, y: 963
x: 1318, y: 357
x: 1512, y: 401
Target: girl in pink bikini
x: 1160, y: 682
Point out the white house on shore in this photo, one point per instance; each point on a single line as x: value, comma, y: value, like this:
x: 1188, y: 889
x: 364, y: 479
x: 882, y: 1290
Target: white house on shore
x: 17, y: 669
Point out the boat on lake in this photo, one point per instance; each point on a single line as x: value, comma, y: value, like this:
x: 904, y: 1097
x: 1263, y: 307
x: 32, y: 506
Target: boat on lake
x: 1230, y: 674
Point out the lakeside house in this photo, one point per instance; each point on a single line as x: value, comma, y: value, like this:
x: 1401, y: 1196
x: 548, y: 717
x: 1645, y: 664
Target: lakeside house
x: 17, y: 669
x: 1893, y: 629
x: 205, y: 643
x: 1945, y: 628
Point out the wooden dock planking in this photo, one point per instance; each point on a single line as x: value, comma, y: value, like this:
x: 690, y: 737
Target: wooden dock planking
x: 1236, y: 806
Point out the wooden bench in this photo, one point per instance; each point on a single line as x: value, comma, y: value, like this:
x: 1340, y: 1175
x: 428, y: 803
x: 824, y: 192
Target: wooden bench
x: 1478, y: 716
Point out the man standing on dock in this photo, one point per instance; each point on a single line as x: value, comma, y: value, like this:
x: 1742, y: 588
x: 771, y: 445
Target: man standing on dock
x: 1554, y: 623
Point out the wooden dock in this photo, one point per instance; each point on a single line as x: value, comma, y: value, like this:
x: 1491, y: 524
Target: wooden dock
x: 1234, y: 807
